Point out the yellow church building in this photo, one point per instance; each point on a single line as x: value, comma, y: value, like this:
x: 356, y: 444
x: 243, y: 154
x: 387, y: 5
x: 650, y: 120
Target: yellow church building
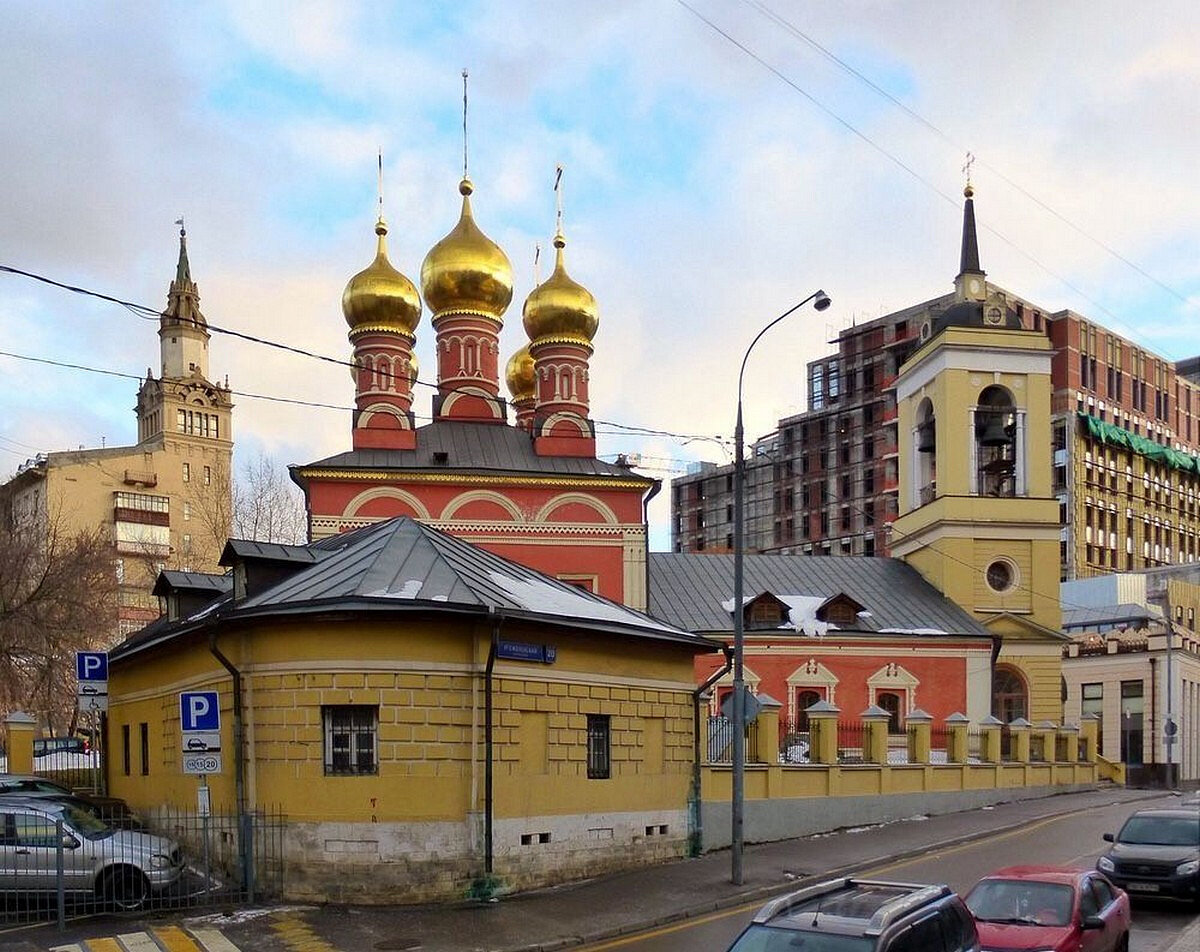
x: 427, y: 715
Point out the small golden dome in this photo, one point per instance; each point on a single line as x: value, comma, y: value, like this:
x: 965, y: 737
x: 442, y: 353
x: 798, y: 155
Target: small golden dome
x: 379, y: 297
x: 519, y: 375
x: 466, y: 271
x: 559, y: 307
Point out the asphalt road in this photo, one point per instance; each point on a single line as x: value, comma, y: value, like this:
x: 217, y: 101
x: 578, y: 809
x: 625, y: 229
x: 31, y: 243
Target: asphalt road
x: 1066, y: 840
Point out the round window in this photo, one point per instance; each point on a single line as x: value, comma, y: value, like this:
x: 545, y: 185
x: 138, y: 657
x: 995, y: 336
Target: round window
x: 1001, y: 576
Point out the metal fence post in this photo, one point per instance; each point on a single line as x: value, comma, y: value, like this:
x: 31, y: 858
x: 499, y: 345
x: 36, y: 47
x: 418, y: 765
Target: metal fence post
x: 60, y: 876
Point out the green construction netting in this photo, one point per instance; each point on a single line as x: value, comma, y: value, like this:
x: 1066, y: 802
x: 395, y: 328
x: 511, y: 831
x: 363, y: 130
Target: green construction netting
x: 1117, y: 436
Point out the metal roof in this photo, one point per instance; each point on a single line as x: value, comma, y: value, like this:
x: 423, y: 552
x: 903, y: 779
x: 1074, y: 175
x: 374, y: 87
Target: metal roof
x: 170, y: 580
x: 402, y: 565
x: 688, y: 591
x: 236, y: 549
x: 478, y: 447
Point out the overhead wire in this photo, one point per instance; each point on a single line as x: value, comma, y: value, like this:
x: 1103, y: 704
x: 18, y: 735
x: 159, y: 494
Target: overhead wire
x: 1135, y: 334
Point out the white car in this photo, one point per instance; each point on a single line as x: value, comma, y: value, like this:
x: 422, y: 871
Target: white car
x: 120, y: 867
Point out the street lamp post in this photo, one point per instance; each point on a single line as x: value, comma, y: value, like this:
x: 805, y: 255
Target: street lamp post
x: 820, y: 301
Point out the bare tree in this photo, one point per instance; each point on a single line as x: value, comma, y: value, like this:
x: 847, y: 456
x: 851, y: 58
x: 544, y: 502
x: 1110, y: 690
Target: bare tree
x: 57, y: 597
x: 259, y: 503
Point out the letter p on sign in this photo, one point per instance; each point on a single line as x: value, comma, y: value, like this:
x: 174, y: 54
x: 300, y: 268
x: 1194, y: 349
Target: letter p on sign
x: 199, y: 711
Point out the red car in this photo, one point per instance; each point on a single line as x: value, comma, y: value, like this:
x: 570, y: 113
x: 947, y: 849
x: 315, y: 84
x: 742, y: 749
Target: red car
x: 1050, y: 909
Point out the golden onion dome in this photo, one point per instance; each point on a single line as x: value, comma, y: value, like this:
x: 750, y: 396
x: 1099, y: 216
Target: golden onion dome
x: 379, y: 297
x: 559, y: 307
x: 467, y: 272
x: 519, y: 375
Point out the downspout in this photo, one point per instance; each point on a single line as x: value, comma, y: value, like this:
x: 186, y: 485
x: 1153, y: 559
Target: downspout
x: 695, y: 839
x: 245, y: 848
x: 1153, y: 759
x: 488, y: 801
x: 654, y: 491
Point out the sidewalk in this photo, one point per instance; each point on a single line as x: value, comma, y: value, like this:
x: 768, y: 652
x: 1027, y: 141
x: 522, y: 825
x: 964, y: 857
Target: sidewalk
x: 612, y: 906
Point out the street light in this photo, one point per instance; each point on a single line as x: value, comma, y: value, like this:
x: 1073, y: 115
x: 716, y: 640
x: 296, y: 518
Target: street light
x: 820, y: 301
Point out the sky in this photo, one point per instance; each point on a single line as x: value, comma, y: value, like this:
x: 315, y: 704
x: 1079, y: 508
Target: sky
x: 722, y: 160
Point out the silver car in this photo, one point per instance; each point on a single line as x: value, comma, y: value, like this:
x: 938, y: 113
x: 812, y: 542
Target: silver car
x: 120, y: 867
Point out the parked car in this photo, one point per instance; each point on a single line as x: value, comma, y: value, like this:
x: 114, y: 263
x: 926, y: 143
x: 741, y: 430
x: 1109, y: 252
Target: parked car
x: 113, y: 810
x: 1156, y: 853
x: 860, y: 915
x: 1050, y: 908
x: 120, y: 867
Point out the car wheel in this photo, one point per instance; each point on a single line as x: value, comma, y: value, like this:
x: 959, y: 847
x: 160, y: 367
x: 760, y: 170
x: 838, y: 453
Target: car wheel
x: 125, y: 888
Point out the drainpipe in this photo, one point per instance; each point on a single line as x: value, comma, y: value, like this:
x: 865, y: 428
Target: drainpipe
x: 488, y: 803
x: 1153, y: 713
x: 694, y: 845
x: 654, y: 491
x: 245, y: 842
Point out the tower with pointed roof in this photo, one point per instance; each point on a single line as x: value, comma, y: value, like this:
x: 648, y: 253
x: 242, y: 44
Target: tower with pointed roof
x: 183, y: 403
x: 977, y: 515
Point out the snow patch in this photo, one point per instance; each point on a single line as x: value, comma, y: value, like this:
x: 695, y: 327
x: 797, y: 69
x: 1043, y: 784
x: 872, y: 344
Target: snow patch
x: 540, y: 596
x: 912, y: 631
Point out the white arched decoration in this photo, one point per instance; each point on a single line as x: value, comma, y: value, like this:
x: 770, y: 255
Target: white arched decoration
x: 896, y: 678
x: 386, y: 492
x: 364, y: 418
x: 463, y: 393
x: 726, y: 681
x: 574, y: 419
x: 480, y: 495
x: 811, y: 674
x: 591, y: 502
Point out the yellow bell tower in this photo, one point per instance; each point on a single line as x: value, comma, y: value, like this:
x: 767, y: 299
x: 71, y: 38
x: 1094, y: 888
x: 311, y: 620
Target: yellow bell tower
x: 977, y: 517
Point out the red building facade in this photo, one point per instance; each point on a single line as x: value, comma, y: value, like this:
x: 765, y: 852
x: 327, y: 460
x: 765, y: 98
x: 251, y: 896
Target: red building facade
x: 531, y: 490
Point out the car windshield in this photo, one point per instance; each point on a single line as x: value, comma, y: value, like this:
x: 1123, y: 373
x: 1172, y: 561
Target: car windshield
x: 1021, y: 901
x: 1161, y: 831
x: 86, y: 823
x: 761, y: 938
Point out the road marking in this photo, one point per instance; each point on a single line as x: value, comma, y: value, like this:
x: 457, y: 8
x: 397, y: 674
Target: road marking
x: 105, y: 945
x: 299, y: 936
x: 66, y: 948
x: 213, y: 940
x: 174, y: 939
x: 130, y: 942
x: 873, y: 871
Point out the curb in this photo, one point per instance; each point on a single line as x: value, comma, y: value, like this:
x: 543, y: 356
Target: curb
x: 1188, y: 941
x: 762, y: 893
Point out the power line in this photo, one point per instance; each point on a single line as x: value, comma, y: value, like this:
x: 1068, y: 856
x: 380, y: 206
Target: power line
x: 786, y: 24
x: 900, y: 163
x: 145, y: 311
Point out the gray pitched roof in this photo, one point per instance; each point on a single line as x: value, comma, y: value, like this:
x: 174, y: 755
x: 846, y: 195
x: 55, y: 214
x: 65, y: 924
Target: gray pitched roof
x: 688, y: 591
x: 270, y: 551
x: 403, y: 565
x: 170, y: 580
x: 478, y: 447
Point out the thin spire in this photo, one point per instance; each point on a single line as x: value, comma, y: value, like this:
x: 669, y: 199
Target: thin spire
x: 537, y: 270
x: 183, y: 271
x: 380, y: 184
x: 558, y: 200
x: 968, y: 262
x: 464, y: 77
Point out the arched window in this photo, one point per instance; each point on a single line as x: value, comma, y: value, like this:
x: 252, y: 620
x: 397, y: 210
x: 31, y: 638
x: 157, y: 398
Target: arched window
x: 890, y: 702
x: 996, y: 443
x: 805, y: 698
x: 925, y: 458
x: 1010, y: 696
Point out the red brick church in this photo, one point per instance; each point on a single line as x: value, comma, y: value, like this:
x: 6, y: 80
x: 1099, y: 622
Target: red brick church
x: 529, y: 488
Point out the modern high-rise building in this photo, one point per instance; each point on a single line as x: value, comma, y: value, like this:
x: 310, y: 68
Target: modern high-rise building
x: 1126, y: 431
x: 165, y: 501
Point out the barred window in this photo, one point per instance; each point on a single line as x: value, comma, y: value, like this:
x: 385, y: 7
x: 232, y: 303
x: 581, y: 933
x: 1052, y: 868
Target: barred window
x: 350, y: 732
x: 599, y: 760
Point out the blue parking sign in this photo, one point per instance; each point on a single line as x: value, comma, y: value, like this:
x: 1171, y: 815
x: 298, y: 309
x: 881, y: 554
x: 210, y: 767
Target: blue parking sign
x: 91, y: 665
x: 199, y: 711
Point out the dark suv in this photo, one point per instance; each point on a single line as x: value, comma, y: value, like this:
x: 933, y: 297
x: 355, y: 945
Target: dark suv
x: 1156, y: 853
x: 862, y: 915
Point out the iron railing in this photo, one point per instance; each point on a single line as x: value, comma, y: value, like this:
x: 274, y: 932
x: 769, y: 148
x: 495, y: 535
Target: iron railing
x: 67, y: 859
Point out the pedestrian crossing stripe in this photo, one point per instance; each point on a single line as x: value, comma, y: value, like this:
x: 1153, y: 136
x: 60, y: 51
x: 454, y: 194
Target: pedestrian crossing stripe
x: 165, y: 939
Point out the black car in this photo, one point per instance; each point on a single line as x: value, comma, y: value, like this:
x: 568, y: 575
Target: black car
x: 113, y: 810
x: 1156, y: 853
x: 862, y: 915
